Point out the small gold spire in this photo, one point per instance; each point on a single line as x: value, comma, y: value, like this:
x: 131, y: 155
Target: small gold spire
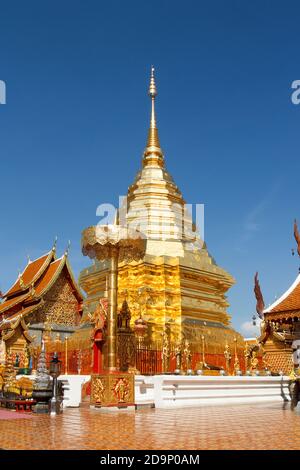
x: 153, y: 145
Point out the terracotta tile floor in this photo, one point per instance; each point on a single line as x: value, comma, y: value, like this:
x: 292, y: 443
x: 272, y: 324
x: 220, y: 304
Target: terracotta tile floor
x: 240, y: 427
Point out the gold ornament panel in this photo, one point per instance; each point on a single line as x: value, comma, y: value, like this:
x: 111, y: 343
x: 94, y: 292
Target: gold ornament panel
x: 115, y: 389
x: 152, y: 291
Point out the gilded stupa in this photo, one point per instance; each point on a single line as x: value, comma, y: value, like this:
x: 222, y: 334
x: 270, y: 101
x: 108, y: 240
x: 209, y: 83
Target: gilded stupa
x: 177, y: 287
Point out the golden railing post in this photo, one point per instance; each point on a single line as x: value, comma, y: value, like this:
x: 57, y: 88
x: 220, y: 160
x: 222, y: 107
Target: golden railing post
x: 203, y: 351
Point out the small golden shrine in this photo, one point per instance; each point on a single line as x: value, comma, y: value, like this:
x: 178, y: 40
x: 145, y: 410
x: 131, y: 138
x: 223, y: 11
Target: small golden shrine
x: 176, y: 286
x: 45, y: 299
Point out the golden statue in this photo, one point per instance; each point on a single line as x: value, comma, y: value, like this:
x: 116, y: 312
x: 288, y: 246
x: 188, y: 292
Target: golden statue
x: 247, y: 354
x: 98, y: 317
x: 253, y: 362
x: 227, y: 355
x: 47, y: 331
x: 57, y: 338
x: 236, y: 365
x: 121, y: 390
x: 26, y: 357
x: 178, y: 349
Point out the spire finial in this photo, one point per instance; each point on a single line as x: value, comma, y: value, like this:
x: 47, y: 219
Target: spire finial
x: 153, y: 146
x: 152, y: 88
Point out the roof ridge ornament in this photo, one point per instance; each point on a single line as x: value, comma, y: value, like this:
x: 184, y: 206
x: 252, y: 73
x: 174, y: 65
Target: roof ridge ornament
x: 260, y: 303
x: 21, y: 282
x: 297, y: 236
x: 68, y: 248
x: 54, y: 244
x: 32, y: 290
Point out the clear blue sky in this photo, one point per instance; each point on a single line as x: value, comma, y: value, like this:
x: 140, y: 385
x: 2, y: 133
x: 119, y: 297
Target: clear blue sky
x: 74, y: 126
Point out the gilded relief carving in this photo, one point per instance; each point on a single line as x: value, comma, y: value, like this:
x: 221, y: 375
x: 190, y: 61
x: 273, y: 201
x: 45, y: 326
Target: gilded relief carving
x: 60, y: 305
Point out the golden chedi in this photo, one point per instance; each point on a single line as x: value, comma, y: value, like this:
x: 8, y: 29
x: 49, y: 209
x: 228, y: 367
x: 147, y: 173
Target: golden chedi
x: 176, y: 286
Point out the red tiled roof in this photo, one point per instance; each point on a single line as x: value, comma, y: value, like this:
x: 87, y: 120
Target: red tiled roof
x: 47, y: 280
x: 31, y: 273
x: 289, y: 301
x: 38, y: 277
x: 24, y: 311
x: 13, y: 302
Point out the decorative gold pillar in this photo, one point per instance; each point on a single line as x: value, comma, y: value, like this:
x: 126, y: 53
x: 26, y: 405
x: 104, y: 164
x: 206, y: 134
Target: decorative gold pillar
x: 112, y: 309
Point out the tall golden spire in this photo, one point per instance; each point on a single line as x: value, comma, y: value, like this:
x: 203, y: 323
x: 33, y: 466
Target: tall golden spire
x: 153, y: 150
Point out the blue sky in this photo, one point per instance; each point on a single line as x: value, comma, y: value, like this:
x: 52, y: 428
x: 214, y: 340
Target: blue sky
x: 74, y: 126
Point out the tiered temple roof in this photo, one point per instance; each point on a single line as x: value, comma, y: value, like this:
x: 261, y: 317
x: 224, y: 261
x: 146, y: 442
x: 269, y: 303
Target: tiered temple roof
x: 27, y: 293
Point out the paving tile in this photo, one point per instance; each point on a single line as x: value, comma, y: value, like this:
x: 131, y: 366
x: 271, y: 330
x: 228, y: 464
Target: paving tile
x: 270, y: 426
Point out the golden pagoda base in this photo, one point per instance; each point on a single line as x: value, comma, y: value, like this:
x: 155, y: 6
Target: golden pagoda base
x: 112, y: 389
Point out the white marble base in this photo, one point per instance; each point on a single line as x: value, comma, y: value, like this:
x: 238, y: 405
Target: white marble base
x: 172, y: 391
x: 72, y: 390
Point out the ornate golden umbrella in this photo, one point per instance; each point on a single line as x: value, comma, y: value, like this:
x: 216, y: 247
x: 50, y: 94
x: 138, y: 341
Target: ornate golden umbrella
x: 114, y: 243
